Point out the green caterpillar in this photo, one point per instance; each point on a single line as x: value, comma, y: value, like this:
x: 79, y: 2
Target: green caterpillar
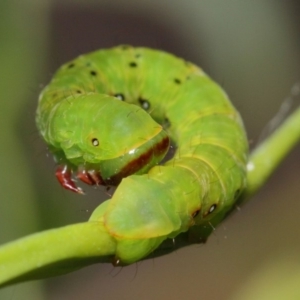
x: 97, y: 117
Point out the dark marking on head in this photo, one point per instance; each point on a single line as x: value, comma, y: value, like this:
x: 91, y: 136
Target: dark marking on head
x: 144, y: 103
x: 120, y: 96
x: 138, y: 55
x: 93, y: 73
x: 177, y: 81
x: 95, y: 142
x: 78, y: 91
x: 133, y: 64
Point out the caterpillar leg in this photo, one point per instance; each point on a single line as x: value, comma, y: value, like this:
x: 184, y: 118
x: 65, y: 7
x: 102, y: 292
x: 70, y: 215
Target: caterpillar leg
x: 90, y: 177
x: 64, y: 176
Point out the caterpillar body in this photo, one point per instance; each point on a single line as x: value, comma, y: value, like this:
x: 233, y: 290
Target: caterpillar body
x: 97, y: 117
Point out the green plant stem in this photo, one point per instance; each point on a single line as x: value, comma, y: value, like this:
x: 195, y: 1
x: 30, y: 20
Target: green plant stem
x: 58, y: 251
x: 55, y: 252
x: 268, y: 155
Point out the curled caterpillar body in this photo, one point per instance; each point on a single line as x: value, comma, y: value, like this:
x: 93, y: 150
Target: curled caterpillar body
x: 96, y: 116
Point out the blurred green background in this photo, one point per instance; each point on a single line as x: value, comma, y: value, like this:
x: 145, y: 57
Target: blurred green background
x: 252, y: 48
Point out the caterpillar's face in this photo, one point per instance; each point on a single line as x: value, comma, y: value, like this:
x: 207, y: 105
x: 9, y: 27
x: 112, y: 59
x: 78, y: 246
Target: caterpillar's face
x: 101, y: 137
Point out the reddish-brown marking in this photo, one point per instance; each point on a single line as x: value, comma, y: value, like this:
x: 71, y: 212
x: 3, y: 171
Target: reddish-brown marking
x: 93, y: 177
x: 143, y: 159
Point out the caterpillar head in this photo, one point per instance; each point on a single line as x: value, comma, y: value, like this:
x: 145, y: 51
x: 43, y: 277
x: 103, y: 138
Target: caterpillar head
x: 101, y: 133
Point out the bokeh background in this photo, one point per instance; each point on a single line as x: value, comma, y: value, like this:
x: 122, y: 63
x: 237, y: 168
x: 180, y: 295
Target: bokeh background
x: 252, y: 48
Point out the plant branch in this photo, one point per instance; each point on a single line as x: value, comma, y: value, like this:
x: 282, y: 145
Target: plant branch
x: 270, y: 153
x: 55, y: 252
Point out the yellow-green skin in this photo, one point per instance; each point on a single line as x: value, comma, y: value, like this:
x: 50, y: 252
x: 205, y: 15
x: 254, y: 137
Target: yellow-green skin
x: 194, y: 190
